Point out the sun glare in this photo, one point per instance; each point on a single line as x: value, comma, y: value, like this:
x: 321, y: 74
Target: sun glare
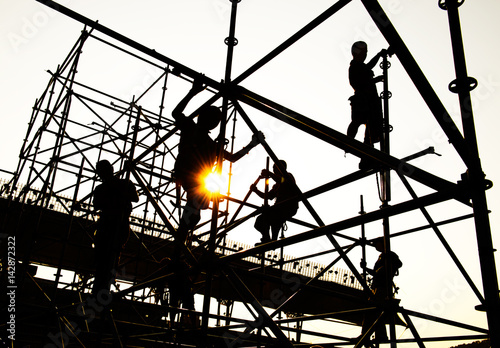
x: 213, y: 182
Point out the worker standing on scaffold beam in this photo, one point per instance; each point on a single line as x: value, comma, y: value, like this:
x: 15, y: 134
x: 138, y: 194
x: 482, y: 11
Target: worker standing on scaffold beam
x: 197, y: 156
x: 366, y: 106
x: 113, y: 200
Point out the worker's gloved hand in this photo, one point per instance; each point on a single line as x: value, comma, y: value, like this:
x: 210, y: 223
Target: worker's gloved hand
x: 257, y: 138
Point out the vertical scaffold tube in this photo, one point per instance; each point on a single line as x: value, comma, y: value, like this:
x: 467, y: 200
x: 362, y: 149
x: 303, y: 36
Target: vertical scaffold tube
x: 462, y: 86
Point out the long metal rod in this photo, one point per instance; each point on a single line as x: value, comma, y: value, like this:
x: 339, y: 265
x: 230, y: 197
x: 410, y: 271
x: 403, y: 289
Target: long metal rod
x: 385, y: 179
x: 231, y: 41
x: 413, y: 330
x: 445, y: 321
x: 70, y: 225
x: 425, y: 227
x: 476, y: 179
x: 385, y: 144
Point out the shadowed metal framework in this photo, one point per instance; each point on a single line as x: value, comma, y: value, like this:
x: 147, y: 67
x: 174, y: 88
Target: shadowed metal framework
x: 73, y: 125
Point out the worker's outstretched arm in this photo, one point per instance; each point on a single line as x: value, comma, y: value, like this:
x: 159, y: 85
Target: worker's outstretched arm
x: 177, y: 113
x: 256, y: 139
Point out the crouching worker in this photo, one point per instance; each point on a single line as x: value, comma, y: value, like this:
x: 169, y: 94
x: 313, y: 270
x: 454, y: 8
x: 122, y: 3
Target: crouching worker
x: 285, y: 192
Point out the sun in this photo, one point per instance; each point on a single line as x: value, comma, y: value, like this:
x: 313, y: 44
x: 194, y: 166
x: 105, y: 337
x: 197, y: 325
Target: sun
x: 213, y: 182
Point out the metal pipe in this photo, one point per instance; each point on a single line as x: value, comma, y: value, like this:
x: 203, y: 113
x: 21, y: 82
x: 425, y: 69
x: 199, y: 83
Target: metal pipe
x: 222, y: 135
x: 464, y: 85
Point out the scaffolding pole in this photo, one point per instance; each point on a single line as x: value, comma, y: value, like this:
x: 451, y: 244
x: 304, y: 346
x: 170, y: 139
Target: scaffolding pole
x: 462, y: 85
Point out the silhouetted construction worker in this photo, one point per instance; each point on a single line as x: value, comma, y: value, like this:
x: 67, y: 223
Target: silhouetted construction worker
x: 366, y: 105
x: 386, y: 267
x: 113, y: 200
x: 380, y: 283
x: 197, y: 156
x: 285, y: 192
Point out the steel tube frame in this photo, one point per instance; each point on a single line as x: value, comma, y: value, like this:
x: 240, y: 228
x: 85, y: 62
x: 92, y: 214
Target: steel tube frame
x: 443, y: 241
x: 400, y: 208
x: 417, y: 76
x: 338, y: 139
x: 476, y: 179
x: 231, y: 42
x: 465, y: 147
x: 310, y: 126
x: 294, y: 38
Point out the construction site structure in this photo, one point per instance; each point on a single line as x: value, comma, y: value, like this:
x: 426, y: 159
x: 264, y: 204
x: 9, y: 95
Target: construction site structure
x: 251, y: 295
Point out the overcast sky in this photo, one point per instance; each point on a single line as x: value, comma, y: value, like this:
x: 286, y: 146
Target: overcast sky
x: 310, y: 78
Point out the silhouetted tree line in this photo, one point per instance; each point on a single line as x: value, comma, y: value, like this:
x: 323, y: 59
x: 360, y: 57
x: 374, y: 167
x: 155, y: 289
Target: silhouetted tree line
x: 476, y: 344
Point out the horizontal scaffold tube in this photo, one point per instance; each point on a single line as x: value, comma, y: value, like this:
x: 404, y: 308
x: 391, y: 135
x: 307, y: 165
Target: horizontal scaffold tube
x: 433, y: 198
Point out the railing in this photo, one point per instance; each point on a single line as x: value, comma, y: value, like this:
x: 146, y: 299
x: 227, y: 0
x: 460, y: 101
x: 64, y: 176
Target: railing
x: 157, y: 229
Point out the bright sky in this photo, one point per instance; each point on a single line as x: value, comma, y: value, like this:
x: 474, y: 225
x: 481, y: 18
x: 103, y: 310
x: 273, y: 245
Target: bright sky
x: 310, y: 78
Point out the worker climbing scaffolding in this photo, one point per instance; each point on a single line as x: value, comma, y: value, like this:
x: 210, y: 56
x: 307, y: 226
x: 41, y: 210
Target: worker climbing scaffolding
x: 197, y: 156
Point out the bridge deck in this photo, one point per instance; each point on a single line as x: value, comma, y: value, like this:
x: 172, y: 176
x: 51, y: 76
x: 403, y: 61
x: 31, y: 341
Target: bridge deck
x: 65, y: 241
